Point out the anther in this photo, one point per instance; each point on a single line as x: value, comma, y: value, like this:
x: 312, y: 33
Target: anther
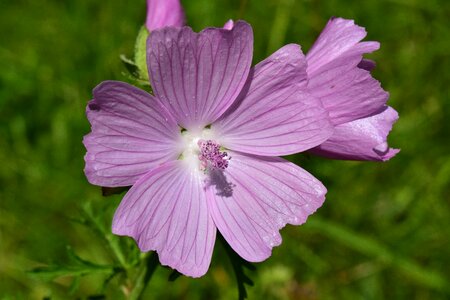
x: 211, y: 156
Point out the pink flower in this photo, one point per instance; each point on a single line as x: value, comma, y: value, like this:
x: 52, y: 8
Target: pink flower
x: 341, y: 79
x: 161, y: 13
x: 201, y: 153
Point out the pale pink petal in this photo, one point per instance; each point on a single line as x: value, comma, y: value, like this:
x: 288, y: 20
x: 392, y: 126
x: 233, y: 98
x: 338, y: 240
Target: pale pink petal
x: 131, y: 134
x: 270, y: 117
x: 166, y: 211
x: 199, y: 75
x: 161, y: 13
x: 347, y: 91
x: 229, y: 25
x: 255, y: 197
x: 363, y: 139
x: 338, y: 39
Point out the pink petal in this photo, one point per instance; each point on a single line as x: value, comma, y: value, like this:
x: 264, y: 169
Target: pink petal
x: 337, y: 39
x: 229, y: 25
x: 166, y: 211
x: 363, y: 139
x: 161, y: 13
x: 255, y: 197
x: 131, y: 134
x: 199, y: 75
x: 270, y: 117
x: 347, y: 91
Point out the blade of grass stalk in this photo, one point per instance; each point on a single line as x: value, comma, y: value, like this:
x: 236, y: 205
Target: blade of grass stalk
x: 375, y: 249
x: 280, y: 25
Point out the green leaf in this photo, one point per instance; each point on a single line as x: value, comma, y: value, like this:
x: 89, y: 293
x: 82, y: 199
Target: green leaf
x: 140, y: 53
x: 78, y: 267
x: 49, y: 273
x: 75, y: 285
x: 133, y: 74
x: 130, y: 65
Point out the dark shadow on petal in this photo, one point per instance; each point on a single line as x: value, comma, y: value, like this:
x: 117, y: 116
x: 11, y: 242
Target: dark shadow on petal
x: 217, y: 178
x: 92, y: 105
x: 108, y: 191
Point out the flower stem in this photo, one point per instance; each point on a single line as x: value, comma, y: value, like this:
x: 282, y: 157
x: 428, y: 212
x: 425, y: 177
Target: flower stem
x: 146, y: 270
x: 117, y: 250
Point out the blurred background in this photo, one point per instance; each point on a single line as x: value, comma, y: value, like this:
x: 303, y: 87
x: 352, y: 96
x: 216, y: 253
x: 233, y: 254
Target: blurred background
x: 383, y: 232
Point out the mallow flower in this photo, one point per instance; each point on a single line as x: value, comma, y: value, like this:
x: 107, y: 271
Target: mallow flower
x: 340, y: 77
x: 161, y: 13
x: 201, y: 153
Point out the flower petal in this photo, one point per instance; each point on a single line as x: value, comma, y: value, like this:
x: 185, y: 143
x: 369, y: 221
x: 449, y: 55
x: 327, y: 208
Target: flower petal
x: 131, y: 134
x: 199, y: 75
x: 229, y: 24
x: 166, y: 211
x: 255, y: 197
x: 270, y: 116
x: 161, y: 13
x: 339, y: 77
x: 339, y: 39
x: 363, y: 139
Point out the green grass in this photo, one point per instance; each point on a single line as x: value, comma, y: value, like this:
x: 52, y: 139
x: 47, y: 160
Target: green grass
x: 383, y: 232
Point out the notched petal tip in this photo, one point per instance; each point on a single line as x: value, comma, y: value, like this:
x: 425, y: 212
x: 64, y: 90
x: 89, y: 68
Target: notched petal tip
x: 339, y: 40
x: 363, y: 139
x: 386, y: 124
x: 389, y: 154
x: 268, y: 193
x: 166, y: 212
x: 197, y: 76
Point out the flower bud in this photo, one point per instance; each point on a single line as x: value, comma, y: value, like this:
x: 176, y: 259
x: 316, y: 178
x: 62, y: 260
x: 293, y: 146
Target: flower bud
x: 161, y: 13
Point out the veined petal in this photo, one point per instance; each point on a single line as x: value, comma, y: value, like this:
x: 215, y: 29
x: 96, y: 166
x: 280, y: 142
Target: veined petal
x: 255, y: 197
x: 199, y: 75
x: 166, y: 211
x: 273, y: 115
x: 363, y: 139
x: 161, y: 13
x: 337, y: 39
x: 131, y: 134
x: 338, y: 75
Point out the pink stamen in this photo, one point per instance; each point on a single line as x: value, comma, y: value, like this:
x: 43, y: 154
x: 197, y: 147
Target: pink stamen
x: 210, y: 155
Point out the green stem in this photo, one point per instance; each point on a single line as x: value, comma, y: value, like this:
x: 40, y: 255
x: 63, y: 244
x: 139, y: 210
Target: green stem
x: 238, y: 265
x: 117, y: 250
x: 146, y: 270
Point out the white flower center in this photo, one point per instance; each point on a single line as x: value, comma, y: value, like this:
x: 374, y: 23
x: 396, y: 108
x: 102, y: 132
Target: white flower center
x: 203, y: 152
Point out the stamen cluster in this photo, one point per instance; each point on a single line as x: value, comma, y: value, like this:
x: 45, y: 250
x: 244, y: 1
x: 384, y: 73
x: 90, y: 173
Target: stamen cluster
x: 210, y: 155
